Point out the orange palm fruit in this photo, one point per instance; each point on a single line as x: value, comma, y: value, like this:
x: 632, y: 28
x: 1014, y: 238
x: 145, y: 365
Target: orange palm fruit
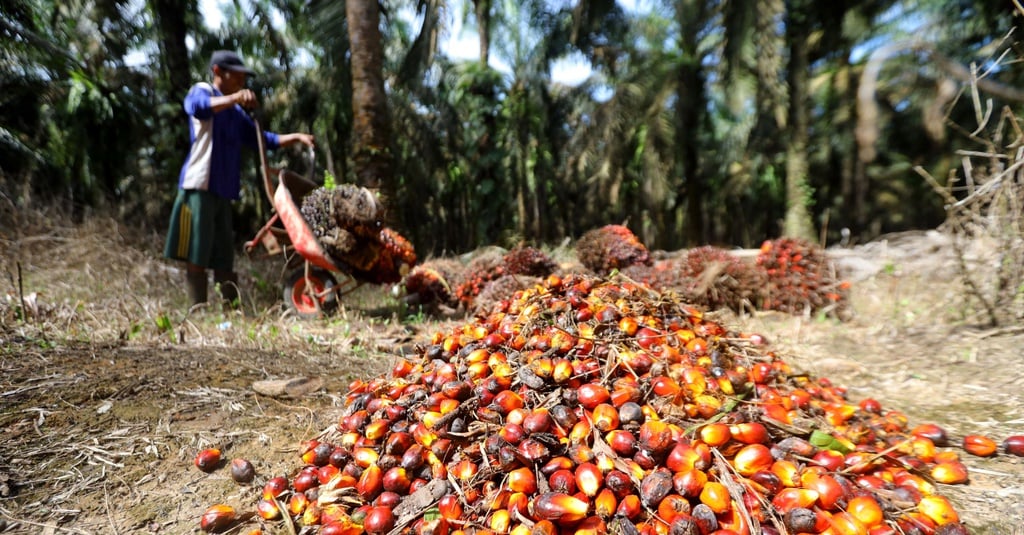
x: 828, y: 489
x: 605, y: 417
x: 365, y: 457
x: 208, y: 459
x: 217, y: 518
x: 715, y: 496
x: 297, y: 503
x: 715, y: 434
x: 689, y: 482
x: 450, y: 507
x: 938, y: 509
x: 866, y: 509
x: 749, y: 433
x: 591, y: 395
x: 665, y: 386
x: 950, y: 473
x: 844, y: 523
x: 560, y: 508
x: 672, y: 507
x: 605, y: 503
x: 979, y: 445
x: 630, y: 507
x: 500, y: 521
x: 268, y: 510
x: 562, y: 371
x: 592, y: 525
x: 788, y: 472
x: 522, y: 480
x: 791, y: 498
x: 371, y: 483
x: 622, y: 442
x: 655, y: 436
x: 544, y: 527
x: 752, y: 458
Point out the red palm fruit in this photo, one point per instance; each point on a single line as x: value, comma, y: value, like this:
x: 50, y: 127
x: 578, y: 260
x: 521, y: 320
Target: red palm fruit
x: 829, y: 490
x: 396, y: 479
x: 423, y: 435
x: 831, y: 460
x: 791, y: 498
x: 533, y: 451
x: 646, y: 337
x: 388, y: 499
x: 870, y: 405
x: 765, y: 482
x: 655, y: 436
x: 752, y: 458
x: 355, y: 421
x: 512, y: 433
x: 749, y: 433
x: 591, y: 395
x: 979, y: 445
x: 682, y: 457
x: 371, y: 483
x: 665, y: 386
x: 1014, y: 445
x: 672, y: 506
x: 618, y: 482
x: 950, y: 473
x: 305, y: 480
x: 776, y: 412
x: 715, y: 434
x: 859, y: 462
x: 760, y: 373
x: 557, y: 463
x: 365, y: 457
x: 542, y: 367
x: 645, y: 459
x: 315, y: 453
x: 268, y: 509
x: 217, y: 518
x: 517, y: 416
x: 866, y: 509
x: 562, y: 481
x: 592, y: 525
x: 589, y: 478
x: 605, y: 503
x: 538, y: 421
x: 622, y: 442
x: 522, y: 480
x: 689, y: 482
x: 274, y: 487
x: 630, y: 507
x: 787, y: 471
x: 560, y: 508
x: 518, y: 504
x: 379, y: 520
x: 398, y: 442
x: 605, y: 417
x: 450, y: 507
x: 716, y: 497
x: 623, y: 394
x: 464, y: 470
x: 655, y: 486
x: 938, y: 509
x: 932, y: 432
x: 208, y: 459
x: 916, y: 522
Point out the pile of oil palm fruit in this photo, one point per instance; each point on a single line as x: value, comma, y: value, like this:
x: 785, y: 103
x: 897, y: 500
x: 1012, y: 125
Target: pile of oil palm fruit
x: 589, y: 405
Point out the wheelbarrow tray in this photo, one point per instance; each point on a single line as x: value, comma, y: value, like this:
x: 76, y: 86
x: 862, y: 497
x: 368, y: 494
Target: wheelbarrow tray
x: 293, y: 187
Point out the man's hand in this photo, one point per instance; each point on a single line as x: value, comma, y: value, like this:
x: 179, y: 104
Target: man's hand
x: 246, y: 99
x: 297, y: 137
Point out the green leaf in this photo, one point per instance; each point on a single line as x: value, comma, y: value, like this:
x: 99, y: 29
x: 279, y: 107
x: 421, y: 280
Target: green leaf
x: 825, y: 440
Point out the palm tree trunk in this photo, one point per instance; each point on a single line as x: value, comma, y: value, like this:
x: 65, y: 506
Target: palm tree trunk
x: 797, y: 223
x: 371, y: 154
x: 690, y: 90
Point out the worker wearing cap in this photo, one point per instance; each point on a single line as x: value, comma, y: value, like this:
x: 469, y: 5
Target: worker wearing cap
x: 200, y: 231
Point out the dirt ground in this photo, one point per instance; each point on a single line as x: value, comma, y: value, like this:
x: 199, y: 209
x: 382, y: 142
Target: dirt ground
x: 108, y: 394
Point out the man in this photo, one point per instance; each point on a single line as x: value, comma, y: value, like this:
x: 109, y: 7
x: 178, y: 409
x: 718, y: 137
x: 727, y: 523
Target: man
x: 200, y: 231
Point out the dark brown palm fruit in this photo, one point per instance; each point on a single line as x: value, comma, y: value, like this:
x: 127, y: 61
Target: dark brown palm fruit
x: 801, y: 279
x: 431, y: 282
x: 526, y: 260
x: 609, y: 248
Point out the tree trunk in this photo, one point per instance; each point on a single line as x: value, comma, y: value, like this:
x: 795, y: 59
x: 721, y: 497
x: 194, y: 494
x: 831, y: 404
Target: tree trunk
x: 482, y: 10
x: 797, y: 223
x: 371, y: 152
x: 690, y: 91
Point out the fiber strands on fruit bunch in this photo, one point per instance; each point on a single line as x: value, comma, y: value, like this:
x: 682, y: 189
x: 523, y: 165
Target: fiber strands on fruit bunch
x: 611, y: 247
x: 588, y: 406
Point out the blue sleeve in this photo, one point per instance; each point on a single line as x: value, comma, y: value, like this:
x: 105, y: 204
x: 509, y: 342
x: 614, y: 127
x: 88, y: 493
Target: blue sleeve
x: 197, y: 103
x: 249, y: 134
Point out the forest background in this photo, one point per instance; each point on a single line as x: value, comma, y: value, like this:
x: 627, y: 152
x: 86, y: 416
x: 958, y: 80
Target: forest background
x: 720, y: 122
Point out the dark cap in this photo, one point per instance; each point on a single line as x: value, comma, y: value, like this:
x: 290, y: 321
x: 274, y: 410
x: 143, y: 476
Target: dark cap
x: 229, y: 60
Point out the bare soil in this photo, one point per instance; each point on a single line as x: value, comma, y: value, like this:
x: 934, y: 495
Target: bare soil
x: 110, y: 387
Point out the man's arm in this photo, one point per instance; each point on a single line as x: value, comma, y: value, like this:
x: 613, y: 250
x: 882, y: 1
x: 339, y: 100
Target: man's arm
x: 296, y: 137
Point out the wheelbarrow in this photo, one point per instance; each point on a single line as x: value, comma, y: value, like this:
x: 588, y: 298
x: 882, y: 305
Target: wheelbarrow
x: 313, y: 283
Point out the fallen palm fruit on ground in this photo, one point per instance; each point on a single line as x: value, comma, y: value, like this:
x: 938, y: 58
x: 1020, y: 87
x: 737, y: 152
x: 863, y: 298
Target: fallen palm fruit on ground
x: 600, y: 406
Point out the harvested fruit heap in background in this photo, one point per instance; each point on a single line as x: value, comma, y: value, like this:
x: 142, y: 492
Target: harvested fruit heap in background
x: 800, y: 279
x: 346, y: 221
x: 492, y: 277
x: 605, y: 249
x: 600, y: 406
x: 707, y: 276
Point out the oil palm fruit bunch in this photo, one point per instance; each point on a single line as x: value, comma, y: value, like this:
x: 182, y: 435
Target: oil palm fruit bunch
x: 590, y: 406
x: 500, y: 289
x: 801, y: 279
x: 430, y: 284
x: 714, y: 278
x: 611, y: 247
x: 345, y: 219
x: 527, y: 260
x: 394, y: 260
x: 479, y: 271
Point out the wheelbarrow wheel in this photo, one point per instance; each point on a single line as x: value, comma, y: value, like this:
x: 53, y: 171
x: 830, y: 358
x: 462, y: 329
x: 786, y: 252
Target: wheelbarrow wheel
x: 310, y: 297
